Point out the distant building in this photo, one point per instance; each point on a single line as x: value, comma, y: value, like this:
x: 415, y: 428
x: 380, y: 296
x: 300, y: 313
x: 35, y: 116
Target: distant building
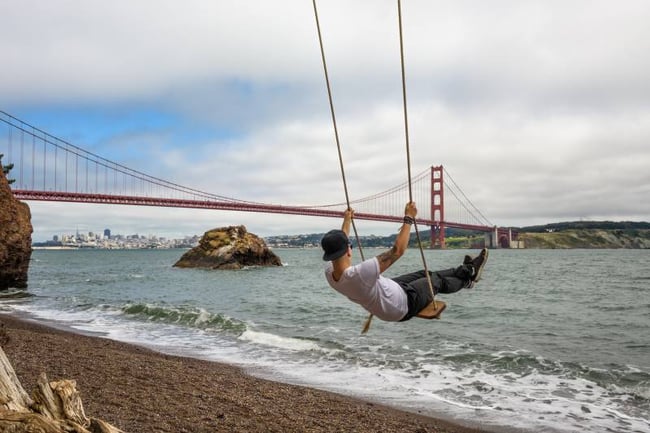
x: 107, y: 233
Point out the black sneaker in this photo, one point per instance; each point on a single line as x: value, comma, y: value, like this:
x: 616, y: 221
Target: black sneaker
x: 468, y: 265
x: 479, y: 263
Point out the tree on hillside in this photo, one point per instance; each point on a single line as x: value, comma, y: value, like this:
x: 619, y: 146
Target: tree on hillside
x: 6, y: 169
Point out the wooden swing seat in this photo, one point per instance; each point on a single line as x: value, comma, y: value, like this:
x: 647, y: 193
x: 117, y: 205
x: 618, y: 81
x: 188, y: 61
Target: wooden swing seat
x: 432, y: 311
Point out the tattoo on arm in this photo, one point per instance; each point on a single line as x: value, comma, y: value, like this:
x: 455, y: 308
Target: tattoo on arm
x: 387, y: 258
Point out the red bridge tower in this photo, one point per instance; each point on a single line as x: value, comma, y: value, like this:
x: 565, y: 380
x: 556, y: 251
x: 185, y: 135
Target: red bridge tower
x: 437, y: 208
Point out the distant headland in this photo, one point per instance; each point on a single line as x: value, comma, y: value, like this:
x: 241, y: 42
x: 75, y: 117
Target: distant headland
x: 577, y: 234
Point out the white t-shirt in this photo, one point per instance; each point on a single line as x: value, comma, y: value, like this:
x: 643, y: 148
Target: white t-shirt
x: 364, y: 284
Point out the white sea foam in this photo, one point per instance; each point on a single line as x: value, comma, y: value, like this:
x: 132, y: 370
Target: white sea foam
x: 273, y: 340
x: 433, y: 388
x: 473, y: 367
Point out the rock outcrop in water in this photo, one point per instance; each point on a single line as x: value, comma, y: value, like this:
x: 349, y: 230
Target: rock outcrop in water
x: 229, y: 248
x: 15, y: 238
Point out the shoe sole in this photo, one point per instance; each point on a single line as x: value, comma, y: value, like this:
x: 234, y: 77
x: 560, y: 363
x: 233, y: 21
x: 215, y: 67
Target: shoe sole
x: 479, y: 271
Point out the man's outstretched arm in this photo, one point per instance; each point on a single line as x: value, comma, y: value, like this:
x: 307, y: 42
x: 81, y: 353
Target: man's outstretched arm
x: 347, y: 220
x: 401, y: 242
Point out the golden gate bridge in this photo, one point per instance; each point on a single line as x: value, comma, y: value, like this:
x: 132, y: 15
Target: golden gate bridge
x: 47, y: 168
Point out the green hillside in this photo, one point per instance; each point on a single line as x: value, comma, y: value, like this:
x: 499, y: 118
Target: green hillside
x: 587, y: 238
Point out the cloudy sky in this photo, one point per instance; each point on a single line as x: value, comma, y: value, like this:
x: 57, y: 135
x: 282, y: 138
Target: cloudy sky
x: 540, y: 110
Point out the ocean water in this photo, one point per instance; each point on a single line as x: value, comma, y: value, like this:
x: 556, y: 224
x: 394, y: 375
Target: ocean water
x: 548, y: 341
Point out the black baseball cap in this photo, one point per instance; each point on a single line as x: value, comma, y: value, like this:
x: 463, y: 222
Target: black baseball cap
x: 335, y: 243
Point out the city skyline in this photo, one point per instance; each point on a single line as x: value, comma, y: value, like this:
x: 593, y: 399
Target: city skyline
x: 109, y: 240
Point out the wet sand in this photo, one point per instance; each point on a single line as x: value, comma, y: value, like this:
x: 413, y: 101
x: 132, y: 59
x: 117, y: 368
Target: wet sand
x: 139, y: 390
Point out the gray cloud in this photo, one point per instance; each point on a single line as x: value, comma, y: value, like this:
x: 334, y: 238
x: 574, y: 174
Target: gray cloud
x: 540, y: 111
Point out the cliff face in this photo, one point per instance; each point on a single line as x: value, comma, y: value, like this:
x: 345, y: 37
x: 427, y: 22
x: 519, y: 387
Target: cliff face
x: 229, y: 248
x: 15, y: 238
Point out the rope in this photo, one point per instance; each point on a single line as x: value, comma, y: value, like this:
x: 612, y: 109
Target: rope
x: 408, y: 150
x: 336, y: 132
x: 366, y: 325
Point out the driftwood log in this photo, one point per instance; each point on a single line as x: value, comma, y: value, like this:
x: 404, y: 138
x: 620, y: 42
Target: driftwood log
x: 55, y: 407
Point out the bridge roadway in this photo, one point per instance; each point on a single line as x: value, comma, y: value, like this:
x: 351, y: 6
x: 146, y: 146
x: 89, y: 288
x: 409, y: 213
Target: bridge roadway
x: 242, y: 206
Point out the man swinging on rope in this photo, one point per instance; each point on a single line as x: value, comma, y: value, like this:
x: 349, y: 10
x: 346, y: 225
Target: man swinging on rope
x: 391, y: 299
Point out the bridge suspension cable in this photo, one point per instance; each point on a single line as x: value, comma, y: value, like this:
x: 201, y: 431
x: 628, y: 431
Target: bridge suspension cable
x: 47, y: 168
x: 467, y: 204
x: 87, y: 158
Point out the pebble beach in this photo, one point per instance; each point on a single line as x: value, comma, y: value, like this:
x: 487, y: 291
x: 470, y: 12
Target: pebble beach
x: 139, y: 390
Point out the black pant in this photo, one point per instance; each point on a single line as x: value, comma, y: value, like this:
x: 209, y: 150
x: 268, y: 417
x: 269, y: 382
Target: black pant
x: 417, y: 290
